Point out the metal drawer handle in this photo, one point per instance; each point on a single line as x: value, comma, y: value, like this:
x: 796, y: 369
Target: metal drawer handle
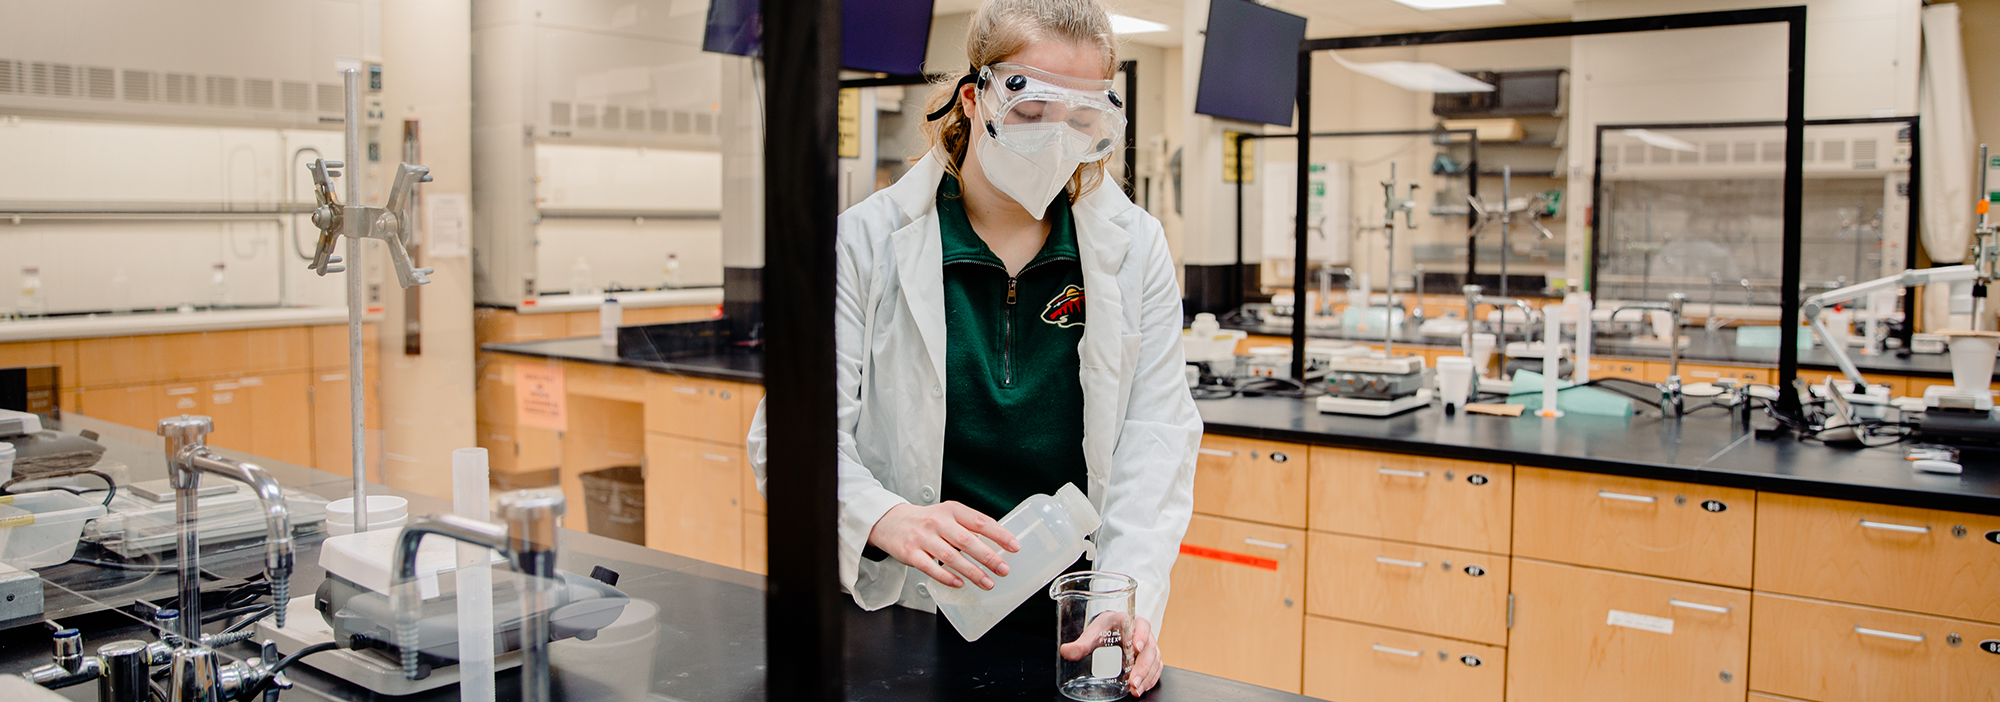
x: 1400, y: 652
x: 1885, y: 526
x: 1697, y: 606
x: 1878, y: 633
x: 1385, y: 560
x: 1404, y: 473
x: 719, y: 458
x: 685, y: 390
x: 1609, y: 495
x: 1265, y: 544
x: 1216, y: 452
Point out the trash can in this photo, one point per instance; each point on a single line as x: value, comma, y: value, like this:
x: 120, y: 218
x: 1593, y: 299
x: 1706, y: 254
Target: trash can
x: 616, y: 503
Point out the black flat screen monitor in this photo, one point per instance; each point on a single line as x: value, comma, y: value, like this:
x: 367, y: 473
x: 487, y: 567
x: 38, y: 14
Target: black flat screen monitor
x: 881, y: 36
x: 1250, y: 63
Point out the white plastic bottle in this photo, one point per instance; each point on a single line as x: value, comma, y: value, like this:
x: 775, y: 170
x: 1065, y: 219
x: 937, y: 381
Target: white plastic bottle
x: 609, y: 316
x: 579, y: 278
x: 673, y: 271
x: 121, y: 292
x: 218, y: 284
x: 31, y: 303
x: 1051, y: 531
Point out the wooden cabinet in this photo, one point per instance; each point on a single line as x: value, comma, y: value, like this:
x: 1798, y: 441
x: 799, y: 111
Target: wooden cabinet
x: 694, y: 499
x: 1259, y: 481
x: 1702, y: 373
x: 756, y: 547
x: 1617, y: 368
x: 694, y: 408
x: 1830, y: 652
x: 1446, y: 592
x: 333, y: 439
x: 1358, y: 663
x: 281, y: 427
x: 1674, y: 530
x: 1587, y: 634
x: 1941, y: 563
x: 1443, y: 502
x: 1237, y: 608
x: 131, y: 405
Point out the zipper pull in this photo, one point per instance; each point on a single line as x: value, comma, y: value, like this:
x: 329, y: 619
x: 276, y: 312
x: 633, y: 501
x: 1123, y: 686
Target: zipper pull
x: 1011, y: 282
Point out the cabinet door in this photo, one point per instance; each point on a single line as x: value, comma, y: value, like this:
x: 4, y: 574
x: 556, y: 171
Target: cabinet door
x: 1587, y: 634
x: 333, y: 438
x: 1258, y: 481
x: 1832, y: 652
x: 1613, y: 368
x: 1673, y: 530
x: 281, y: 422
x: 694, y: 499
x: 1359, y: 663
x: 131, y: 405
x: 1922, y: 560
x: 756, y: 547
x: 1443, y: 592
x: 1437, y: 501
x: 1236, y: 610
x: 229, y: 404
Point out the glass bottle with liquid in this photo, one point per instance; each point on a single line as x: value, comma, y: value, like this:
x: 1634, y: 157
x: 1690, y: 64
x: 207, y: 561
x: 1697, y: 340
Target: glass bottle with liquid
x: 218, y: 287
x: 31, y: 303
x: 579, y: 278
x: 673, y: 271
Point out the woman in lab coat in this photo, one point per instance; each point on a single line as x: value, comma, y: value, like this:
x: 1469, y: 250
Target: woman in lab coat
x: 1009, y: 322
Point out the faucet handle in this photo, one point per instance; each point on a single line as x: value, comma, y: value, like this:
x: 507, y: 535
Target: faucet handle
x: 187, y: 428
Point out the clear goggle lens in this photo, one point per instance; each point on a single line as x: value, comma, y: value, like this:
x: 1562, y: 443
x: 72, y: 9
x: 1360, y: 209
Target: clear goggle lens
x: 1030, y: 109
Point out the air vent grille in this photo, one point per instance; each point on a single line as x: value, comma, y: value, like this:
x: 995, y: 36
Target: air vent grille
x: 1834, y: 150
x: 181, y: 88
x: 659, y: 120
x: 1774, y: 152
x: 559, y: 114
x: 1864, y: 153
x: 295, y: 95
x: 259, y: 93
x: 1715, y: 152
x: 614, y: 117
x: 12, y: 79
x: 586, y: 116
x: 221, y: 91
x: 330, y: 98
x: 704, y: 124
x: 683, y: 122
x: 100, y: 83
x: 1744, y: 152
x: 141, y: 86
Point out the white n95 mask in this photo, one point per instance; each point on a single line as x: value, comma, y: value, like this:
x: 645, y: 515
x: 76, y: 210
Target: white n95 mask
x: 1031, y: 178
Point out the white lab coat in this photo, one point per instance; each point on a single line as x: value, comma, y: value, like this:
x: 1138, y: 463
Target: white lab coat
x: 1140, y: 432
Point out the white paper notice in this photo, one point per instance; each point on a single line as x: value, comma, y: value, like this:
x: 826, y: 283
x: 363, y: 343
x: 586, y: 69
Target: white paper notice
x: 450, y: 224
x: 1642, y: 622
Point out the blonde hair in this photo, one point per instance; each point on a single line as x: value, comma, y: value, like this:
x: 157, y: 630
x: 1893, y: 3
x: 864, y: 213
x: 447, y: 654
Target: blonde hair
x: 1002, y: 28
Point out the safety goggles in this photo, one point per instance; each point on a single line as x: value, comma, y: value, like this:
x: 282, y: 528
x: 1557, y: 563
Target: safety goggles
x: 1028, y: 109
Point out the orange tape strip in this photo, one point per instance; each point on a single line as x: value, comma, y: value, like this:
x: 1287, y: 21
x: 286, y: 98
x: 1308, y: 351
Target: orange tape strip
x: 1228, y: 557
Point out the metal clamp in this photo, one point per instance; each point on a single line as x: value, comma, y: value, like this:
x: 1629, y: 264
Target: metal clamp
x: 394, y: 223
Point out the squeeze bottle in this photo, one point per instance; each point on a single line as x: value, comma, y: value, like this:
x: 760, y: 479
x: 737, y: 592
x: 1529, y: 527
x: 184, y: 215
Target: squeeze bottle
x: 1051, y: 531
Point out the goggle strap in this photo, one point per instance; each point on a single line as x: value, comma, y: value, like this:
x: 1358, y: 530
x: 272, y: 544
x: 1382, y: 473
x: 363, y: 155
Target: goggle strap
x: 969, y: 79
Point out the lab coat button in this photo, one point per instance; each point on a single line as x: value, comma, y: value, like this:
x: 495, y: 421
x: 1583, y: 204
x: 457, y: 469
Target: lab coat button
x: 937, y: 390
x: 927, y: 494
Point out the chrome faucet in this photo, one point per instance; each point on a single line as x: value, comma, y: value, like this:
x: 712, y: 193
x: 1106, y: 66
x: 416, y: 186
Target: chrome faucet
x: 1670, y: 391
x: 527, y: 538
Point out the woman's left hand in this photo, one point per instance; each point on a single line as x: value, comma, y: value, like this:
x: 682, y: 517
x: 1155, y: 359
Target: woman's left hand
x: 1146, y: 665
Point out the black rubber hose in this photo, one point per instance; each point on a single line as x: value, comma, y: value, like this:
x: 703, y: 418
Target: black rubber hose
x: 286, y: 662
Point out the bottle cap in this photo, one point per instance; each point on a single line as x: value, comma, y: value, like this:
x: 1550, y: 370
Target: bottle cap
x: 1079, y: 508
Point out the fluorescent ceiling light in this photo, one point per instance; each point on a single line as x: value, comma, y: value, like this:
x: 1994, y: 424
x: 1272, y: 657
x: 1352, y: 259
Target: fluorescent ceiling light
x: 1450, y: 4
x: 1416, y: 76
x: 1121, y: 24
x: 1660, y: 140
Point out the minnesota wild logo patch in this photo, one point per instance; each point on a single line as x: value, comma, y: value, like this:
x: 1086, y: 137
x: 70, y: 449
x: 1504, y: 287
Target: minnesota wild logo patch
x: 1066, y: 310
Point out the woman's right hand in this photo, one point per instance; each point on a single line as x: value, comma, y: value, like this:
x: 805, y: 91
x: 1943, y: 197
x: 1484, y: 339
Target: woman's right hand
x: 920, y: 537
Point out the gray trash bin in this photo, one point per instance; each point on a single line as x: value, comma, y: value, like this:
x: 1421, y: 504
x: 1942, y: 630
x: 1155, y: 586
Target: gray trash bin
x: 615, y: 501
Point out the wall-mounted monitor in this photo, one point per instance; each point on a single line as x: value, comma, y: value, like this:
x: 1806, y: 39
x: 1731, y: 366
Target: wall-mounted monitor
x: 897, y: 33
x: 1250, y: 63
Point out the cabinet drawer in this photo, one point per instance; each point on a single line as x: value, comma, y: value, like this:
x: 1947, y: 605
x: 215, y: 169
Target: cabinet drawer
x: 1609, y: 368
x: 1259, y: 481
x: 1836, y: 653
x: 1237, y: 610
x: 1697, y: 373
x: 1587, y: 634
x: 1943, y: 563
x: 1673, y: 530
x: 1459, y: 594
x: 1358, y: 663
x: 694, y: 499
x: 1458, y: 504
x: 695, y: 408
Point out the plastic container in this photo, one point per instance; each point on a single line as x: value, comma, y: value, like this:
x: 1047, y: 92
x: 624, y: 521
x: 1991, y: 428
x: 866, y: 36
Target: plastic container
x: 617, y: 665
x: 41, y: 529
x: 336, y: 527
x: 1093, y: 634
x: 1482, y: 352
x: 615, y: 503
x: 1972, y: 362
x: 1454, y: 376
x: 609, y: 316
x: 1051, y: 531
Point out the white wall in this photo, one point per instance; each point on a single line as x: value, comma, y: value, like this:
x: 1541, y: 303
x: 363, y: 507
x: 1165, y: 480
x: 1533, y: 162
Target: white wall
x: 186, y: 198
x: 639, y: 204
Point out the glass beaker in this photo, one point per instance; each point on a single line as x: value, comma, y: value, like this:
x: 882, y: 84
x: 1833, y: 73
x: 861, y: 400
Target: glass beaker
x: 1094, y: 623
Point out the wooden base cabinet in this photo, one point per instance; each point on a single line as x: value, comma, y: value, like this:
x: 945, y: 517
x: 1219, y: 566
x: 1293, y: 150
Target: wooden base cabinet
x: 1238, y: 602
x: 1588, y: 634
x: 1920, y: 560
x: 1458, y: 594
x: 1668, y: 529
x: 694, y: 499
x: 1358, y: 663
x: 1830, y: 652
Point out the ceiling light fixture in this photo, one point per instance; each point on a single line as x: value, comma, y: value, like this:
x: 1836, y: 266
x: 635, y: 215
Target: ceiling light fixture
x: 1450, y: 4
x: 1121, y: 24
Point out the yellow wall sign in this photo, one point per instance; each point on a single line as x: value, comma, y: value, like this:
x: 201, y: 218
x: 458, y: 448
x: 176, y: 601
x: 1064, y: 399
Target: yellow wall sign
x: 539, y: 397
x: 1229, y: 158
x: 850, y: 122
